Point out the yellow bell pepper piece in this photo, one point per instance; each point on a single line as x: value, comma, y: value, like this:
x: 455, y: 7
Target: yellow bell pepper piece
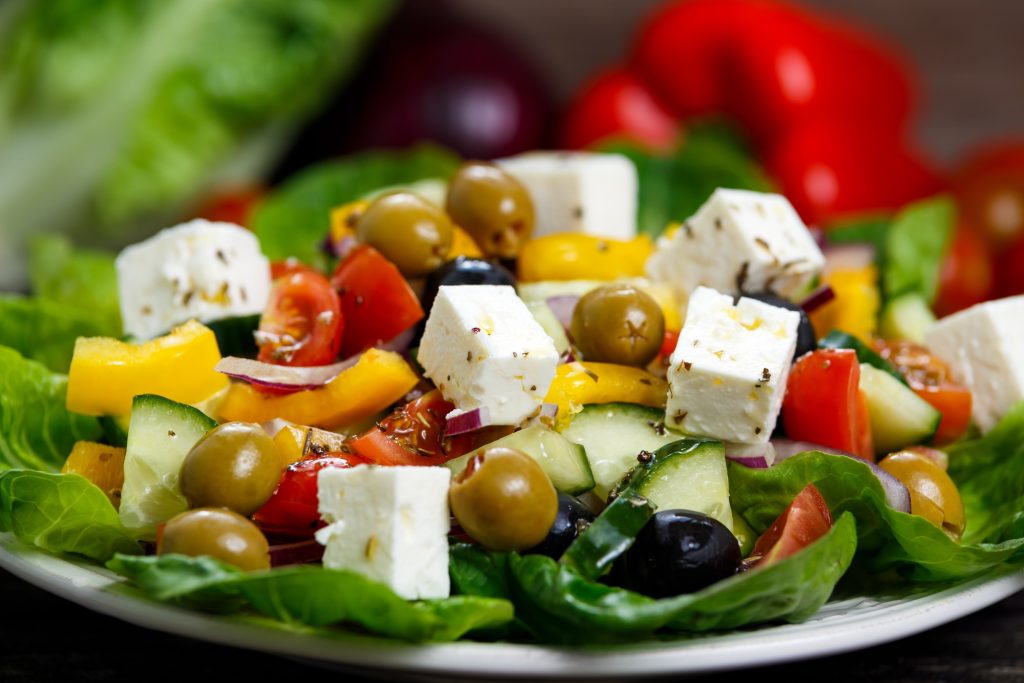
x: 344, y: 219
x: 379, y: 379
x: 294, y: 442
x: 101, y: 464
x: 577, y: 384
x: 572, y: 256
x: 463, y: 244
x: 107, y: 373
x: 855, y: 308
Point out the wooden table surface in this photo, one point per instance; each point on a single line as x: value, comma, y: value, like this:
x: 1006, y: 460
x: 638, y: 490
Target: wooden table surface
x: 45, y: 638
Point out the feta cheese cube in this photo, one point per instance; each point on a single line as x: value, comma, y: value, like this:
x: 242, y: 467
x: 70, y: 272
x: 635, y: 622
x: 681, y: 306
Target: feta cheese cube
x: 483, y: 349
x: 196, y: 270
x: 983, y: 348
x: 583, y: 192
x: 389, y: 524
x: 728, y: 372
x: 739, y: 241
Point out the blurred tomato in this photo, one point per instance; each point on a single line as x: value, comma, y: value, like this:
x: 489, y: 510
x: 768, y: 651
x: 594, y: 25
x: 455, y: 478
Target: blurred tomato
x: 618, y: 105
x: 990, y: 191
x: 232, y: 205
x: 967, y: 276
x: 1010, y: 269
x: 791, y: 69
x: 830, y: 169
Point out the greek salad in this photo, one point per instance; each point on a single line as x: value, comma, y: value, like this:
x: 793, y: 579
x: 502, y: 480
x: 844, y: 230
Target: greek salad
x: 483, y: 405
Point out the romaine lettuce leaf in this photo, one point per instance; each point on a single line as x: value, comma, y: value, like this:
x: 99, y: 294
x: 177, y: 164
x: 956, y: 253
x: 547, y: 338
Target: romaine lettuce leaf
x: 63, y: 513
x: 888, y: 540
x: 36, y: 430
x: 43, y: 330
x: 82, y: 279
x: 672, y: 188
x: 558, y: 605
x: 313, y: 596
x: 114, y: 114
x: 295, y: 220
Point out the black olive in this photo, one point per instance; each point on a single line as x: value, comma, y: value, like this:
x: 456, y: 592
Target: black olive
x: 572, y: 518
x: 805, y: 339
x: 679, y: 551
x: 462, y: 270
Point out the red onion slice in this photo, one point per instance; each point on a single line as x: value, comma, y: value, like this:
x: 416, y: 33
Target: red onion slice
x: 848, y: 256
x: 282, y: 377
x: 549, y: 410
x: 301, y: 552
x: 818, y: 298
x: 400, y: 343
x: 562, y: 306
x: 469, y: 421
x: 896, y: 494
x: 756, y: 456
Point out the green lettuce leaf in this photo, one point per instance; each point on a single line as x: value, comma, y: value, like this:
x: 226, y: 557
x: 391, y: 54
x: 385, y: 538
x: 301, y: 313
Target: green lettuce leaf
x: 63, y: 513
x: 915, y: 245
x: 295, y: 220
x: 115, y: 114
x: 887, y: 539
x: 672, y: 188
x: 36, y: 430
x: 43, y: 330
x: 82, y: 279
x: 989, y: 472
x: 560, y: 606
x: 312, y: 596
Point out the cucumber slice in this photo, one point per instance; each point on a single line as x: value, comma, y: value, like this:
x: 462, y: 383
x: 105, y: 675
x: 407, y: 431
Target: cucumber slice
x: 608, y: 536
x: 899, y: 417
x: 743, y: 533
x: 549, y: 323
x: 162, y: 433
x: 545, y: 289
x: 564, y: 462
x: 837, y: 339
x: 906, y: 318
x: 688, y: 474
x: 613, y: 434
x: 235, y: 335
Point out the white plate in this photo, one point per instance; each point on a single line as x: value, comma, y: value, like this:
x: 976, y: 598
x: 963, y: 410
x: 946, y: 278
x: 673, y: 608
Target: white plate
x: 839, y: 627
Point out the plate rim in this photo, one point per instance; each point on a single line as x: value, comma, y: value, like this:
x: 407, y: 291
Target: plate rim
x: 766, y: 646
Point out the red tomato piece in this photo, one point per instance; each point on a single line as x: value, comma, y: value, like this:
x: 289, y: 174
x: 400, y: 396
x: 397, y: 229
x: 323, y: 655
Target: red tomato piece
x: 289, y: 266
x: 414, y: 434
x: 989, y: 189
x: 376, y: 301
x: 832, y: 169
x: 303, y: 323
x: 954, y: 402
x: 824, y: 404
x: 293, y: 508
x: 805, y: 521
x: 967, y: 276
x: 233, y: 205
x: 1010, y: 270
x: 617, y: 105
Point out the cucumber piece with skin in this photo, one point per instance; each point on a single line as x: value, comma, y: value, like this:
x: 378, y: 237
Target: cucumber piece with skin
x: 837, y: 339
x: 564, y: 462
x: 687, y: 474
x: 906, y: 318
x: 613, y: 434
x: 235, y: 336
x: 162, y: 433
x: 549, y: 323
x: 899, y: 417
x: 608, y: 536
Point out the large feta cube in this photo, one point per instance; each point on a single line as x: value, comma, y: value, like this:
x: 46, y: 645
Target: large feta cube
x: 582, y: 192
x: 483, y: 349
x: 389, y: 524
x: 983, y: 346
x: 728, y: 372
x: 739, y: 241
x: 196, y: 270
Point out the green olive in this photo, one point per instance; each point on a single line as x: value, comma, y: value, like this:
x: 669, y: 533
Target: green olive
x: 407, y: 230
x: 504, y: 500
x: 235, y: 466
x: 220, y: 533
x: 618, y: 324
x: 492, y: 206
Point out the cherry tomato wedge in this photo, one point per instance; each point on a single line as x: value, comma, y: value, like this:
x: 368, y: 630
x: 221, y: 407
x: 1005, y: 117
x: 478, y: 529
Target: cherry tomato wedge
x: 967, y: 276
x: 413, y: 435
x: 302, y: 324
x: 805, y: 520
x: 293, y: 508
x: 232, y: 205
x: 289, y: 266
x: 989, y: 189
x: 824, y: 403
x: 377, y: 302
